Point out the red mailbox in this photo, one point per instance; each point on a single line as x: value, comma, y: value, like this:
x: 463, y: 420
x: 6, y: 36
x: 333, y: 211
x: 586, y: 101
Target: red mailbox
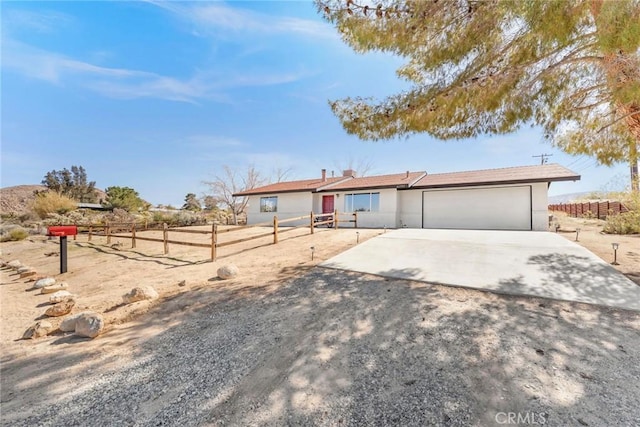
x: 63, y: 230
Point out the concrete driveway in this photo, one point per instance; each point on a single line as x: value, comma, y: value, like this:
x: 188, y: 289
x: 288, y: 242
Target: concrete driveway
x: 528, y: 263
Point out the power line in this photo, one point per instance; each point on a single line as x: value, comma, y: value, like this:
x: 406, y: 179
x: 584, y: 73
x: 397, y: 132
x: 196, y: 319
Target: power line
x: 582, y: 157
x: 543, y: 158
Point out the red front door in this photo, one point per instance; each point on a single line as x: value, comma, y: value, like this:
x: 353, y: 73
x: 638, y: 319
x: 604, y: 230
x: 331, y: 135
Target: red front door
x: 327, y: 204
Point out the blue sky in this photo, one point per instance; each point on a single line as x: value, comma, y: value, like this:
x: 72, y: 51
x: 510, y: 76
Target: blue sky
x: 158, y: 96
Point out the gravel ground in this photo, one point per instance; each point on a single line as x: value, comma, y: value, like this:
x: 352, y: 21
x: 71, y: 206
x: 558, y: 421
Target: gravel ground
x: 331, y: 348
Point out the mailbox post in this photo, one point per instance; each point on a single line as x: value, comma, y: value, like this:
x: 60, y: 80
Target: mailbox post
x: 63, y: 231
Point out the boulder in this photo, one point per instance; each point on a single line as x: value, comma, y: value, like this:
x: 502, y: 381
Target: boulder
x: 37, y: 330
x: 140, y: 294
x: 42, y: 283
x: 89, y: 325
x: 15, y: 264
x: 68, y: 324
x: 60, y: 296
x: 54, y: 288
x: 60, y: 309
x: 23, y: 269
x: 228, y: 271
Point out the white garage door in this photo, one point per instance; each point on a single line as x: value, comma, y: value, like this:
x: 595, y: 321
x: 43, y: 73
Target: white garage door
x: 497, y: 208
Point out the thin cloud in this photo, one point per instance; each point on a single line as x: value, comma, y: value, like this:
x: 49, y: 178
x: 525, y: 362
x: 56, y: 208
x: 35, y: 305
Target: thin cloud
x: 16, y: 20
x: 212, y: 141
x: 218, y: 16
x: 123, y: 83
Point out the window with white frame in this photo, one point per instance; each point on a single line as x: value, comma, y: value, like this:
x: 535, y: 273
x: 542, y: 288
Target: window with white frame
x: 269, y: 204
x: 362, y: 202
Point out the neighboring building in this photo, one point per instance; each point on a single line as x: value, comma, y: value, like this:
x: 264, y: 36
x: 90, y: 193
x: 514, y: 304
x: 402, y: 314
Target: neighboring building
x: 495, y: 199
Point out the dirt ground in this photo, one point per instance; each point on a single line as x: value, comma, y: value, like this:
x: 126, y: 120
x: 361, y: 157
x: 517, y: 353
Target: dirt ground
x: 287, y: 343
x: 99, y: 274
x: 591, y: 237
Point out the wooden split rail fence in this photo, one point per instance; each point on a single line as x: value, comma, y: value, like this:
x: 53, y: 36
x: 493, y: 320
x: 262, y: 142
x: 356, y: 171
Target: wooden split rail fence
x: 111, y: 230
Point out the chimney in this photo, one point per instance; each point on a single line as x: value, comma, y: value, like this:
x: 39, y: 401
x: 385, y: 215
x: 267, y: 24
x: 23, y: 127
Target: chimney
x: 324, y: 175
x: 407, y: 174
x: 349, y: 172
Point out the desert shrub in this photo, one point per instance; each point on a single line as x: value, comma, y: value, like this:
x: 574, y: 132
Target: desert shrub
x: 118, y: 215
x: 627, y: 222
x: 178, y: 218
x: 74, y: 217
x: 50, y: 202
x: 13, y: 233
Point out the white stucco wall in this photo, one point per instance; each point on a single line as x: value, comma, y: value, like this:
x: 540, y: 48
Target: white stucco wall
x: 290, y: 205
x: 397, y: 208
x: 387, y: 215
x: 540, y: 206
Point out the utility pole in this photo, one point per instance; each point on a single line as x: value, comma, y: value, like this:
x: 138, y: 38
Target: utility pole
x: 543, y: 158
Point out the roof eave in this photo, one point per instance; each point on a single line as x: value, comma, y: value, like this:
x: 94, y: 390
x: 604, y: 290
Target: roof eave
x: 505, y: 182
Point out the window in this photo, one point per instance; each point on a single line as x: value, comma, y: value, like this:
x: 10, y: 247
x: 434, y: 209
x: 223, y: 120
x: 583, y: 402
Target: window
x: 268, y: 204
x: 362, y: 202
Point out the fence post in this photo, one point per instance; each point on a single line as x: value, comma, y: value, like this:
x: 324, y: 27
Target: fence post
x: 275, y: 229
x: 133, y: 235
x: 355, y: 219
x: 165, y: 232
x: 214, y: 241
x: 311, y: 222
x: 89, y: 234
x: 335, y: 219
x: 108, y: 232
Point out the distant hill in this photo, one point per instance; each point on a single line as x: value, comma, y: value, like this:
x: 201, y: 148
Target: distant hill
x: 567, y: 198
x: 16, y: 200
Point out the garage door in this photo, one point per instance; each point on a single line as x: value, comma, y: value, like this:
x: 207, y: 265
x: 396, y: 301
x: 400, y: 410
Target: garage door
x: 496, y: 208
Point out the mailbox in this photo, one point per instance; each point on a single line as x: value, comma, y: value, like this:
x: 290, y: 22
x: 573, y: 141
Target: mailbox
x: 63, y: 230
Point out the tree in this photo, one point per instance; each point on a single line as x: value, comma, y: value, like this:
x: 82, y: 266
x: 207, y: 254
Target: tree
x: 191, y: 203
x: 490, y: 67
x: 361, y: 167
x: 210, y: 203
x: 230, y: 182
x: 73, y: 184
x: 125, y: 198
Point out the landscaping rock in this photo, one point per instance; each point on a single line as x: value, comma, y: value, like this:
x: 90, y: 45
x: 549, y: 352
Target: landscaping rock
x: 23, y: 269
x: 60, y: 296
x: 228, y: 271
x: 68, y: 324
x: 60, y: 309
x: 89, y: 325
x: 28, y: 273
x: 140, y: 294
x: 37, y: 330
x: 42, y: 283
x: 15, y: 264
x: 54, y: 288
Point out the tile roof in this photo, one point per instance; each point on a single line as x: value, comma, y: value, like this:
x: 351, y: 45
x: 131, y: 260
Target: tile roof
x: 520, y: 174
x: 397, y: 180
x: 293, y: 186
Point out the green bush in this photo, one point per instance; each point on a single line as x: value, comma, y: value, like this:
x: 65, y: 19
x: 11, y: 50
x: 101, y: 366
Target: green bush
x: 14, y: 234
x: 628, y: 222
